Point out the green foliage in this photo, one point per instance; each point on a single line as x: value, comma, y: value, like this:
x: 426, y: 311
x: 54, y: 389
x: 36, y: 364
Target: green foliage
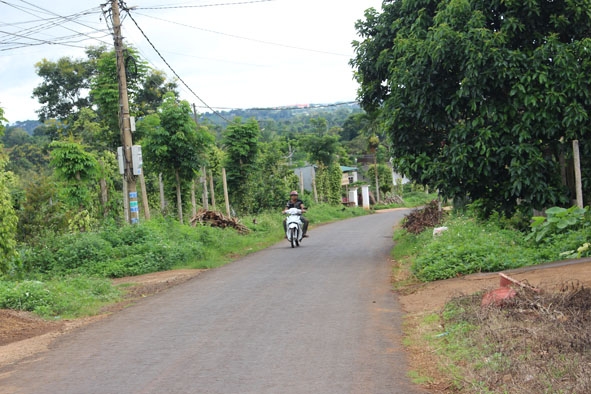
x: 328, y: 183
x: 72, y: 296
x: 61, y: 91
x: 41, y: 212
x: 8, y: 218
x: 241, y: 143
x: 322, y: 149
x: 469, y: 246
x: 269, y: 182
x: 115, y: 251
x: 478, y: 105
x: 557, y: 220
x: 385, y: 179
x: 174, y: 145
x: 77, y: 169
x: 71, y: 161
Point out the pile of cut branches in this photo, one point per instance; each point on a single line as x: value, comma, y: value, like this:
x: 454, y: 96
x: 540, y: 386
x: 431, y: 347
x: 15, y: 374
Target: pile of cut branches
x: 418, y: 220
x: 217, y: 219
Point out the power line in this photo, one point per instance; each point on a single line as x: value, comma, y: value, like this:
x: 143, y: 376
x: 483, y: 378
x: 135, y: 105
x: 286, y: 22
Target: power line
x: 171, y: 69
x: 164, y: 7
x: 15, y: 39
x: 245, y: 38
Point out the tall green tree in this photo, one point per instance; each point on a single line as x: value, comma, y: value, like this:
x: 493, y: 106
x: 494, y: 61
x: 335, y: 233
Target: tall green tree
x: 77, y: 170
x: 8, y: 218
x: 270, y: 180
x: 241, y: 143
x: 65, y: 82
x: 321, y: 149
x: 176, y: 145
x: 478, y: 96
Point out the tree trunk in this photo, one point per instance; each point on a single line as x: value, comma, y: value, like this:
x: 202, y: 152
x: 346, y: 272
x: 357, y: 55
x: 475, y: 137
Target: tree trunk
x: 193, y: 199
x: 212, y: 190
x: 205, y: 194
x: 225, y: 183
x: 578, y: 182
x: 144, y: 196
x: 162, y: 201
x: 179, y: 201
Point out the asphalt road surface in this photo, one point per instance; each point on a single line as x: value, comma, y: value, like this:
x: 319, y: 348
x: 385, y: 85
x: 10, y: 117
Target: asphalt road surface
x: 318, y: 319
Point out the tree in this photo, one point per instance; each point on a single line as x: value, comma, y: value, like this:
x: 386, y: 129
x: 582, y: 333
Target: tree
x: 328, y: 183
x: 241, y: 143
x: 15, y: 136
x: 176, y: 146
x: 151, y: 93
x: 145, y: 88
x: 62, y: 92
x: 269, y: 181
x: 77, y: 169
x: 477, y: 96
x: 8, y: 218
x: 354, y: 125
x: 321, y: 149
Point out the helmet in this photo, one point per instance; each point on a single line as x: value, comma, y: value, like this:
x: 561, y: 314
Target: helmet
x: 293, y: 193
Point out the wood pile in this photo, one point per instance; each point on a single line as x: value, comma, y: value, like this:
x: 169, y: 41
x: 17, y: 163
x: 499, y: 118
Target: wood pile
x: 217, y: 219
x: 420, y: 219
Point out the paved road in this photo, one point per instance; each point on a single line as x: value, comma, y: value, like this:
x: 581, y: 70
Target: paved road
x: 318, y: 319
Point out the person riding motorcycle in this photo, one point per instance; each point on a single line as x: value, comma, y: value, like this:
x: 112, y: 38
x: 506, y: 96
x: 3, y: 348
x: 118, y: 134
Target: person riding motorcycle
x: 295, y: 202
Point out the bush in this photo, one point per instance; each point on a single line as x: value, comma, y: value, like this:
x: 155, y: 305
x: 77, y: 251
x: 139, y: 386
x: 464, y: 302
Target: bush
x: 66, y: 297
x: 469, y: 246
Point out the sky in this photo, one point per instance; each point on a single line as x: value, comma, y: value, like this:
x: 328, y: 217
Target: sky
x: 229, y: 53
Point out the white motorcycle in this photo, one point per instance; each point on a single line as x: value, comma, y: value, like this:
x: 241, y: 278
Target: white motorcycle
x: 294, y: 226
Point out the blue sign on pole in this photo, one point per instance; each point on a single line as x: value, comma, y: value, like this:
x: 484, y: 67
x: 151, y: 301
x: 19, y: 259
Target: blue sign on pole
x: 132, y: 194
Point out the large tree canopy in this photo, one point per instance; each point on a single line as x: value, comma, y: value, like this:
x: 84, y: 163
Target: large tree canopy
x: 480, y: 97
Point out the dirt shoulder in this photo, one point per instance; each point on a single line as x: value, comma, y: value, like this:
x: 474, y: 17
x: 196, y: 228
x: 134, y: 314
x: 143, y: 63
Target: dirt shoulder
x: 23, y: 334
x: 421, y: 300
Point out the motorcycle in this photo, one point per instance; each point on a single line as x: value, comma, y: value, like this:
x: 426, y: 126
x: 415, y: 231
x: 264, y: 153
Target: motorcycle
x: 294, y: 226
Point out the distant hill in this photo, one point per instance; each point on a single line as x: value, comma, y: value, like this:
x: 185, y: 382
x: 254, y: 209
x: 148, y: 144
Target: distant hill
x: 334, y: 113
x: 27, y: 125
x: 281, y: 114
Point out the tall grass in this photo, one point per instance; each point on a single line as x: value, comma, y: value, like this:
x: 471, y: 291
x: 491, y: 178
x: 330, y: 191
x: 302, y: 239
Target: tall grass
x: 470, y: 245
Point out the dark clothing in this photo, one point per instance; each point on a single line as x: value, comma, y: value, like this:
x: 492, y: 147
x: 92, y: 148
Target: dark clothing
x: 298, y: 204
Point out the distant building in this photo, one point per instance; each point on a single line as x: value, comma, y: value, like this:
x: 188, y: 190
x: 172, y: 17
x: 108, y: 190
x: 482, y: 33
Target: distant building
x: 307, y: 173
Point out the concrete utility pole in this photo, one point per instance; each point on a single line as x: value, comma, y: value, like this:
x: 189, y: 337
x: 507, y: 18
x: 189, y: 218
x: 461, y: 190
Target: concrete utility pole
x: 124, y: 120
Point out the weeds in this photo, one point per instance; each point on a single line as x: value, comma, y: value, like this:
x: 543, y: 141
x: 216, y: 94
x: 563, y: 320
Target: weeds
x: 537, y: 343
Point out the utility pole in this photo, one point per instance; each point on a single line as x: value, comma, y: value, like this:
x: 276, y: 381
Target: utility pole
x: 124, y: 119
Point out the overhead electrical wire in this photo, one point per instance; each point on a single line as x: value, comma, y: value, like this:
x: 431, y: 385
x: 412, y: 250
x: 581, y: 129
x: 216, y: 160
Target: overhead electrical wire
x: 37, y: 35
x: 14, y: 40
x: 172, y: 69
x: 244, y: 38
x: 164, y: 7
x: 213, y: 109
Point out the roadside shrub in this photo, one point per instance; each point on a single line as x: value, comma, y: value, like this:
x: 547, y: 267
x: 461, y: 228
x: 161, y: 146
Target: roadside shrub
x: 28, y: 295
x: 469, y: 246
x: 66, y: 296
x: 557, y: 220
